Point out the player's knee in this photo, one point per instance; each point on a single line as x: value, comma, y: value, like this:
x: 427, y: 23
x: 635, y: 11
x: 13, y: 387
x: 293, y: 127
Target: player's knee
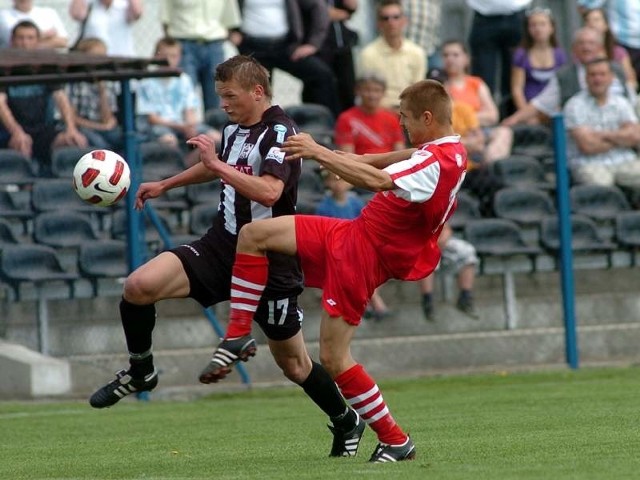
x: 138, y: 290
x: 331, y: 363
x: 250, y: 236
x: 295, y: 371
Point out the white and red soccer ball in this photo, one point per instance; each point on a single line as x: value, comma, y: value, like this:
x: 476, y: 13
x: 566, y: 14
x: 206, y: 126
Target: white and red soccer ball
x: 101, y: 177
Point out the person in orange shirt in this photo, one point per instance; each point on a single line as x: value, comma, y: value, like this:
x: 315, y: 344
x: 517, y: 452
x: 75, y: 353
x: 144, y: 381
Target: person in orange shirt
x: 473, y: 91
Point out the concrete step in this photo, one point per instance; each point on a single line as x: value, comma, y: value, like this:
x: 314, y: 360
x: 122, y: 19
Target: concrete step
x: 415, y: 355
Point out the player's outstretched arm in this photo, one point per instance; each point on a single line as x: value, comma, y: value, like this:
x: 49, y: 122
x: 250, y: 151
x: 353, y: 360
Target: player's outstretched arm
x: 353, y: 171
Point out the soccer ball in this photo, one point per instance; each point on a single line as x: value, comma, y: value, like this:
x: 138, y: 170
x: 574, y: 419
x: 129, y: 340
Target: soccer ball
x: 101, y: 177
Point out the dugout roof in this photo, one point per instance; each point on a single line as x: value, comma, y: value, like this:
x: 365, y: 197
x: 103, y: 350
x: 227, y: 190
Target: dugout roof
x: 21, y: 67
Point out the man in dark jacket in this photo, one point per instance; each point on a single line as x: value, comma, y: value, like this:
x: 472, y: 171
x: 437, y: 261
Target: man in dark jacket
x: 289, y: 39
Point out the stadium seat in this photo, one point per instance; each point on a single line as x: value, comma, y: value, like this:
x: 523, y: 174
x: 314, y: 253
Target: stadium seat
x: 523, y: 205
x: 64, y: 159
x: 37, y: 264
x: 15, y: 168
x: 6, y: 233
x: 102, y: 259
x: 468, y: 209
x: 310, y: 189
x: 208, y: 192
x: 503, y: 240
x: 519, y: 170
x: 152, y: 237
x: 202, y: 216
x: 532, y: 140
x: 628, y: 232
x: 498, y: 237
x: 173, y: 201
x: 216, y: 118
x: 598, y: 202
x: 314, y: 119
x: 10, y: 208
x: 63, y: 229
x: 585, y: 237
x: 58, y: 194
x: 160, y: 161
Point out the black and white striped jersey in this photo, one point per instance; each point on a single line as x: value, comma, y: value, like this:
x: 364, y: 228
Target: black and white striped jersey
x: 255, y: 150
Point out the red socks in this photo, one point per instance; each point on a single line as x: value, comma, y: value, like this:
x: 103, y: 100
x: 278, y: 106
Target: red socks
x: 248, y: 281
x: 361, y: 392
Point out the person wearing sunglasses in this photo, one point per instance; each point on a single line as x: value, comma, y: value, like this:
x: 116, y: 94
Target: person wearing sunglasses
x: 395, y: 58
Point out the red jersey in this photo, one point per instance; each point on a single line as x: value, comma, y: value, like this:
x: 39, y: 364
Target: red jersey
x: 404, y: 224
x: 368, y: 133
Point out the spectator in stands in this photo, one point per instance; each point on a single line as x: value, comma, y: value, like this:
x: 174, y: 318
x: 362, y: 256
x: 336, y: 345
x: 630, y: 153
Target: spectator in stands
x: 201, y: 27
x: 398, y: 60
x: 457, y: 255
x: 368, y: 127
x: 423, y: 28
x: 496, y: 29
x: 27, y: 111
x: 603, y: 132
x: 624, y: 17
x: 536, y: 59
x: 169, y: 106
x: 95, y: 104
x: 337, y: 49
x: 473, y: 91
x: 341, y: 202
x: 570, y: 79
x: 53, y: 34
x: 109, y: 20
x: 596, y: 18
x: 288, y: 34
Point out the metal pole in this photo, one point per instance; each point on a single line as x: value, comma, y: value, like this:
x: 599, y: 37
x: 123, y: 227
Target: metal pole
x: 134, y: 230
x: 566, y: 255
x: 43, y: 320
x: 208, y: 312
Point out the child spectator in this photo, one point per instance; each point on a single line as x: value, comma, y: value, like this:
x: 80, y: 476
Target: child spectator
x: 169, y: 106
x: 460, y: 256
x: 341, y: 202
x: 368, y: 127
x: 536, y: 59
x: 95, y: 103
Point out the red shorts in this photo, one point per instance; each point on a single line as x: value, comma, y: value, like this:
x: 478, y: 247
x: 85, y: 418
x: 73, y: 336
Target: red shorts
x: 337, y: 257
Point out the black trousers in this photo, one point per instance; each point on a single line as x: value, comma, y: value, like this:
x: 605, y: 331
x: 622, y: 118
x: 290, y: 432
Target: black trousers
x: 319, y: 82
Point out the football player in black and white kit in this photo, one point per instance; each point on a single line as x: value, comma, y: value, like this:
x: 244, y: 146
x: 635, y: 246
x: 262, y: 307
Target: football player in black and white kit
x: 257, y: 184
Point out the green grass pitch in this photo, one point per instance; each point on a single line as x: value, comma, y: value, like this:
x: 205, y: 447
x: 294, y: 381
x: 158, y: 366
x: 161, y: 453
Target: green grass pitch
x: 558, y: 424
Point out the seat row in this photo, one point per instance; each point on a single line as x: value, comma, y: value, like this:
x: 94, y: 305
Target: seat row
x: 502, y: 238
x: 527, y: 205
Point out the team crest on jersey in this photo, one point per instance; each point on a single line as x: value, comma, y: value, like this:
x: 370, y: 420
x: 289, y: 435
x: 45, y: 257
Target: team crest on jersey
x: 458, y: 159
x: 281, y: 131
x: 246, y: 150
x: 275, y: 154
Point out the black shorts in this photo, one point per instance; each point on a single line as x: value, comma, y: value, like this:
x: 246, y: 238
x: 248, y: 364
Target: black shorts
x: 208, y: 263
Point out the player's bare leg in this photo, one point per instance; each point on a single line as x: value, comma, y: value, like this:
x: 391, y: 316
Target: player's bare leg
x: 360, y: 390
x: 346, y: 426
x: 160, y: 278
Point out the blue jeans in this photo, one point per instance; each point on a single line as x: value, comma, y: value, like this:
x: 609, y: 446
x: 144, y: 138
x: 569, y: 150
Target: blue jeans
x: 199, y: 61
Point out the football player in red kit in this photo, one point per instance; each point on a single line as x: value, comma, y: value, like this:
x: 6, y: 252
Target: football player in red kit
x: 394, y: 237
